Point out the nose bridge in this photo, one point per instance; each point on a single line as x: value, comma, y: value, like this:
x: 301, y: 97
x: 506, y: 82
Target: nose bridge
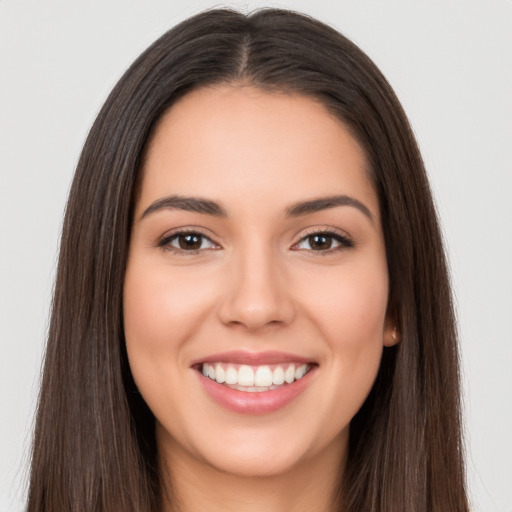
x: 256, y: 293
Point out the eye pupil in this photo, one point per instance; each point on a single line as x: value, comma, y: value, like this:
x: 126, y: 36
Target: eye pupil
x: 320, y: 242
x: 190, y: 241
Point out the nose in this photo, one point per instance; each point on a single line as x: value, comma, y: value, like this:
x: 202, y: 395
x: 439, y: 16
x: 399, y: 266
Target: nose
x: 256, y: 291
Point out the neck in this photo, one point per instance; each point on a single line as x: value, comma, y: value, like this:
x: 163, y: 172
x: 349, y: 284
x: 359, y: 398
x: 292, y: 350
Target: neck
x: 311, y: 484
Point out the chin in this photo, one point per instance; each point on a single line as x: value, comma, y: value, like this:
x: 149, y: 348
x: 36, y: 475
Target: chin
x: 264, y: 451
x: 257, y: 462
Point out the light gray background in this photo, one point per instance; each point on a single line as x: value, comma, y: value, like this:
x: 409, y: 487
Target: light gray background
x: 450, y: 62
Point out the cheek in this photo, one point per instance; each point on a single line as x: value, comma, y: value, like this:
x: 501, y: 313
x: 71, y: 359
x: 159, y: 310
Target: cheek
x: 162, y: 311
x: 162, y: 308
x: 350, y: 313
x: 350, y: 307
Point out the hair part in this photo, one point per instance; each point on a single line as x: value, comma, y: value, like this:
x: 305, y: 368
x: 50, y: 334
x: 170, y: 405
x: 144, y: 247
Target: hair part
x: 94, y: 445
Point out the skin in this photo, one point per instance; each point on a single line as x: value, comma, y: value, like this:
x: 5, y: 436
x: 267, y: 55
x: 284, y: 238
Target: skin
x: 255, y: 284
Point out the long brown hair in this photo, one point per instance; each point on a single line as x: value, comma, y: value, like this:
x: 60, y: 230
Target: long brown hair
x: 94, y: 445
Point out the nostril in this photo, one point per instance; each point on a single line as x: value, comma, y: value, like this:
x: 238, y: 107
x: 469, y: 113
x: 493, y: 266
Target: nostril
x: 251, y: 316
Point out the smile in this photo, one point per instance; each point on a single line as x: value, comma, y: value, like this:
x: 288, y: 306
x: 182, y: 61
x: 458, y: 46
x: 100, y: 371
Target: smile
x: 255, y: 383
x: 255, y: 378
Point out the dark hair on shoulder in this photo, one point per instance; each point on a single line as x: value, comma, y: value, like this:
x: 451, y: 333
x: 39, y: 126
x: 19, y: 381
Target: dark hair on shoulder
x: 94, y: 446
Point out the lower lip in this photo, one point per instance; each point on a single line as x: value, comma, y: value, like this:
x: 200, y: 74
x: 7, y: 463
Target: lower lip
x: 261, y: 402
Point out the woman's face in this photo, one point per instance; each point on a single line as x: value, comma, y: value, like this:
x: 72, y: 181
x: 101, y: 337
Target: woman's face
x: 256, y: 258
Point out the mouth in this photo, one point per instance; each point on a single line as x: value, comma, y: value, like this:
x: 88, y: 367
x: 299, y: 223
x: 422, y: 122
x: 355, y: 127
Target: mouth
x: 254, y: 379
x: 252, y: 383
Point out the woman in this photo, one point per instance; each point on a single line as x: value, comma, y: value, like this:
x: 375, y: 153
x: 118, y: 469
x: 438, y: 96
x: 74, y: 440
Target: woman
x: 252, y: 306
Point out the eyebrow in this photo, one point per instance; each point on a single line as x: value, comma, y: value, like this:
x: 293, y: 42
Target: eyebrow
x: 208, y: 207
x: 189, y: 204
x: 324, y: 203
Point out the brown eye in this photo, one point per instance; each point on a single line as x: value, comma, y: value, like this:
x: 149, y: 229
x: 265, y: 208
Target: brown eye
x: 325, y: 242
x: 190, y: 241
x: 320, y: 242
x: 187, y: 242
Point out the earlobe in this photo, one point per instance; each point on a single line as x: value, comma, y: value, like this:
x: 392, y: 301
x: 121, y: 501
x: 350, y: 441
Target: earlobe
x: 392, y: 336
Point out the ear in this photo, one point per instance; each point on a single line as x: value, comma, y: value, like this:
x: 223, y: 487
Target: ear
x: 392, y: 334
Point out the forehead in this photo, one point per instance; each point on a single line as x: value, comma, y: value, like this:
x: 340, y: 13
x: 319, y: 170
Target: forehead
x: 231, y: 141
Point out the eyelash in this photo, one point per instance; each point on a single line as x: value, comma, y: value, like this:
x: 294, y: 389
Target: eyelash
x: 344, y: 242
x: 165, y: 242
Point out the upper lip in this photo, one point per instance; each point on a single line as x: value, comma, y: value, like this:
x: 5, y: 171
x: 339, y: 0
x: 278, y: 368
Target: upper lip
x: 252, y: 358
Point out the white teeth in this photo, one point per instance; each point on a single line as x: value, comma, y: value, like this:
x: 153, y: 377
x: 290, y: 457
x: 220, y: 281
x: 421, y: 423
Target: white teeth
x: 278, y: 376
x: 245, y: 376
x: 258, y: 378
x: 289, y: 374
x: 263, y: 376
x: 220, y: 374
x: 231, y: 376
x: 301, y: 371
